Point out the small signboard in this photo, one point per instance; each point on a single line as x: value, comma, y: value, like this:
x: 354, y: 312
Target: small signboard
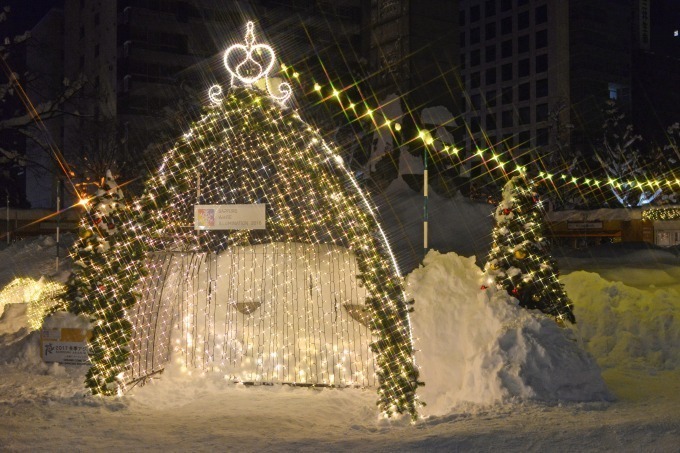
x: 64, y: 345
x: 584, y: 225
x: 230, y: 216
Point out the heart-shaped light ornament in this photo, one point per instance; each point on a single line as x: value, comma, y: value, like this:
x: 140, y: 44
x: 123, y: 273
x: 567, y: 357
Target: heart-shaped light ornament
x: 254, y: 60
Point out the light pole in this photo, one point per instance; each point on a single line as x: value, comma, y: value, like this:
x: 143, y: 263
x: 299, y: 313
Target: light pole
x: 426, y: 136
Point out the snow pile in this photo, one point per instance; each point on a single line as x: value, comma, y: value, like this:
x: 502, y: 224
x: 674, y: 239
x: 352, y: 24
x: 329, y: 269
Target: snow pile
x: 35, y: 258
x: 20, y: 344
x: 478, y: 347
x: 626, y: 326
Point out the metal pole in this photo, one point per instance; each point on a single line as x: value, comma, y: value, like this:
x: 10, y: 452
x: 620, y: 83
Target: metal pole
x: 7, y: 216
x: 58, y: 219
x: 425, y: 214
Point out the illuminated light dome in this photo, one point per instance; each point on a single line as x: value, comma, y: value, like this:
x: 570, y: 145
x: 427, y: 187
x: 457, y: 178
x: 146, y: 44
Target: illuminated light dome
x: 318, y: 273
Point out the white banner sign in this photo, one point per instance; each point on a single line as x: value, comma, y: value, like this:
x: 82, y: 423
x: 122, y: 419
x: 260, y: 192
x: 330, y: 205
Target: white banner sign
x: 230, y: 216
x: 67, y: 346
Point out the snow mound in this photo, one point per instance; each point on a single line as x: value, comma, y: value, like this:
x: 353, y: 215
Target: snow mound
x: 34, y: 258
x: 625, y: 326
x: 479, y: 347
x: 18, y: 345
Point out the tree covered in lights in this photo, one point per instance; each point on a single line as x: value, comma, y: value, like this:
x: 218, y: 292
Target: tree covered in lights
x: 520, y: 260
x: 101, y: 285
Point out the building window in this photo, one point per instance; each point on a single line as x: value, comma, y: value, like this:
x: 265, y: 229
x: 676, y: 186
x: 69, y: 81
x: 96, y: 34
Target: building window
x: 490, y: 8
x: 82, y: 31
x: 506, y: 25
x: 96, y: 50
x: 490, y: 30
x: 475, y: 124
x: 506, y: 118
x: 541, y: 14
x: 461, y: 39
x: 506, y: 49
x: 523, y: 20
x: 491, y: 98
x: 541, y: 112
x: 523, y: 44
x: 524, y: 139
x: 474, y: 13
x: 490, y: 122
x: 523, y: 68
x: 461, y: 17
x: 541, y: 88
x: 96, y: 19
x: 476, y: 101
x: 490, y: 53
x: 506, y: 5
x: 81, y: 62
x: 474, y: 58
x: 474, y: 80
x: 542, y: 137
x: 541, y: 39
x: 506, y: 72
x: 474, y: 35
x: 462, y: 61
x: 506, y: 95
x: 524, y: 114
x: 619, y: 92
x: 490, y: 76
x: 542, y: 63
x: 524, y: 91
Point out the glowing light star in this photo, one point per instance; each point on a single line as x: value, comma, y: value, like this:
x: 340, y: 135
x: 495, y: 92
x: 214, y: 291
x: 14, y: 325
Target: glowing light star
x: 250, y: 64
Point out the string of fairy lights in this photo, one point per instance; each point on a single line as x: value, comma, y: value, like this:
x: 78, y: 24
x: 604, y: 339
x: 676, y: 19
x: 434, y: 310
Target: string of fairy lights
x: 489, y: 159
x: 247, y: 150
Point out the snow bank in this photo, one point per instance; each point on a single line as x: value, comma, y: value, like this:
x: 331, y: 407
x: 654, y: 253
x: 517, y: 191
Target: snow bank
x: 624, y: 326
x: 34, y: 258
x: 478, y: 347
x: 20, y: 345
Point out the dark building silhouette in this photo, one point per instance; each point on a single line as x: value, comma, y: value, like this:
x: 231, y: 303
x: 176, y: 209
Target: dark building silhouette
x: 520, y: 76
x: 656, y: 68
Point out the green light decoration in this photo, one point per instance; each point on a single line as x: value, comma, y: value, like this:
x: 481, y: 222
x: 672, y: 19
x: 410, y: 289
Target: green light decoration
x: 520, y: 261
x: 107, y: 264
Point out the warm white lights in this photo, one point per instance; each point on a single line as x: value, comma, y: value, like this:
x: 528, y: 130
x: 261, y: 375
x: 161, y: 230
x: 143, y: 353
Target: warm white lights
x: 250, y: 64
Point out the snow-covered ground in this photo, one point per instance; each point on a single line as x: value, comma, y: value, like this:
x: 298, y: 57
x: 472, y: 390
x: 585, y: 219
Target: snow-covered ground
x: 497, y: 377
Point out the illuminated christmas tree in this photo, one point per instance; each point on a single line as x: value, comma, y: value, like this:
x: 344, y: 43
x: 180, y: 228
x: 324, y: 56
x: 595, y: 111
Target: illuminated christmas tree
x: 249, y: 149
x: 101, y: 285
x: 520, y: 260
